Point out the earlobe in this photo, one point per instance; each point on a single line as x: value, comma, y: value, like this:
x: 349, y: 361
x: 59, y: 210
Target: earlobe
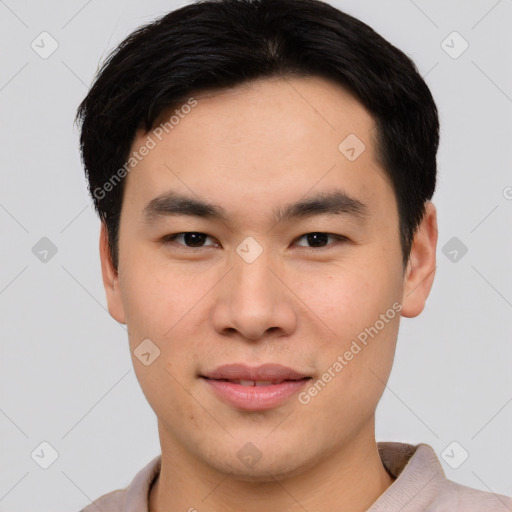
x: 420, y: 272
x: 110, y: 279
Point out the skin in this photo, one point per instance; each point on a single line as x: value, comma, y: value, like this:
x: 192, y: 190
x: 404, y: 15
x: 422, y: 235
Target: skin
x: 252, y: 149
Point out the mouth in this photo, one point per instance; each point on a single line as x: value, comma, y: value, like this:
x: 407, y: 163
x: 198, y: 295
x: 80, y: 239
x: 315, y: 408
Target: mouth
x: 266, y: 373
x: 254, y: 388
x: 258, y: 382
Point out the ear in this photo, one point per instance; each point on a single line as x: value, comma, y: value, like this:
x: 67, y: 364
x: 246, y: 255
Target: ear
x: 110, y: 279
x: 420, y: 271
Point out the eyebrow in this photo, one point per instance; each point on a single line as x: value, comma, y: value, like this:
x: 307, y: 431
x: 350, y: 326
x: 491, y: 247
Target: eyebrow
x: 326, y: 203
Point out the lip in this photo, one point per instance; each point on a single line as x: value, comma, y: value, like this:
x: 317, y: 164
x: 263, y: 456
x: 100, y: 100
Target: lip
x: 287, y: 382
x: 263, y: 372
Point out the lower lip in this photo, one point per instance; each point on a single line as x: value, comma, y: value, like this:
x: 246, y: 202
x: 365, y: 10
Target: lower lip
x: 255, y: 398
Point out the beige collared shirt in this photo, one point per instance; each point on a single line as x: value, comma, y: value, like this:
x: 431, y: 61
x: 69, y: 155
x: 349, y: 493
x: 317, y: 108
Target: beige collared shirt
x: 420, y: 486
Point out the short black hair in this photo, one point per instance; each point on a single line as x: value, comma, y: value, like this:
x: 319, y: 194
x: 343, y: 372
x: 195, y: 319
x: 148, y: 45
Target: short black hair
x: 212, y: 44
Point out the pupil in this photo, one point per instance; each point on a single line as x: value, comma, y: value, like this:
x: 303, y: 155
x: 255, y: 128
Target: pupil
x: 314, y: 238
x: 194, y: 239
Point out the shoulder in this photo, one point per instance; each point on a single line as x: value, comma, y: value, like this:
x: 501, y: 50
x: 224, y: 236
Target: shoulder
x: 113, y: 502
x: 134, y: 496
x: 421, y: 484
x: 453, y: 496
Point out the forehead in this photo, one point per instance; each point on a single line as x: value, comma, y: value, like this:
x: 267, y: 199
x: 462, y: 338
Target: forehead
x: 260, y: 140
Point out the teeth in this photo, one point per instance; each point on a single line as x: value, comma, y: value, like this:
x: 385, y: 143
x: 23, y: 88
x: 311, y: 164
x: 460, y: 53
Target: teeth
x: 254, y: 383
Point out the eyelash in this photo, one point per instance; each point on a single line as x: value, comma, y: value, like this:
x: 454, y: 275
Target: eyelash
x: 170, y: 239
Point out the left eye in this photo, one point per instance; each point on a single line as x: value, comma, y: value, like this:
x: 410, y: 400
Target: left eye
x: 194, y: 239
x: 319, y: 239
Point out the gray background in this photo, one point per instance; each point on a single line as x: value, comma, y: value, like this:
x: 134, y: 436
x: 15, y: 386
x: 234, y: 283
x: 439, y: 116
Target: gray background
x: 66, y: 376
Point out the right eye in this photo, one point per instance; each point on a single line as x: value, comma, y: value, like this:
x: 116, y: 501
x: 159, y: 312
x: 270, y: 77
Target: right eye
x: 189, y: 239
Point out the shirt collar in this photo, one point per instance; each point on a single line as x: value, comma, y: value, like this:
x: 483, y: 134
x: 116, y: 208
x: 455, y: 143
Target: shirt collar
x: 418, y: 472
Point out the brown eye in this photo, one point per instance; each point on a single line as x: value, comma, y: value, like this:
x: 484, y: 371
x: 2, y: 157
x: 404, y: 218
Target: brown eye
x: 319, y: 239
x: 191, y: 239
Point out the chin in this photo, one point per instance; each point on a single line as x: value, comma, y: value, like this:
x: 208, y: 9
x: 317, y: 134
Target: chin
x: 264, y: 471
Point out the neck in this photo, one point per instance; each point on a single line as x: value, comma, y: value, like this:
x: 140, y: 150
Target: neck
x: 350, y: 479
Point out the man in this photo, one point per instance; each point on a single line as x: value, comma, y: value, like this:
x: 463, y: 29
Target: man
x: 263, y: 172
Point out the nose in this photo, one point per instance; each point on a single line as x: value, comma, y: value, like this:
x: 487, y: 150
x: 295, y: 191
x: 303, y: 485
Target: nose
x: 254, y: 301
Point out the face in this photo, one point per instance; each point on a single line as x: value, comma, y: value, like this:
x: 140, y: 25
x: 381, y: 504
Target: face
x: 255, y: 233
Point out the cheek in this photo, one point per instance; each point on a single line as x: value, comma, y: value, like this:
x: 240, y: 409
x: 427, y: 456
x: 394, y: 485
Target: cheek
x: 159, y: 306
x: 360, y: 307
x: 355, y: 361
x: 347, y: 300
x: 159, y: 299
